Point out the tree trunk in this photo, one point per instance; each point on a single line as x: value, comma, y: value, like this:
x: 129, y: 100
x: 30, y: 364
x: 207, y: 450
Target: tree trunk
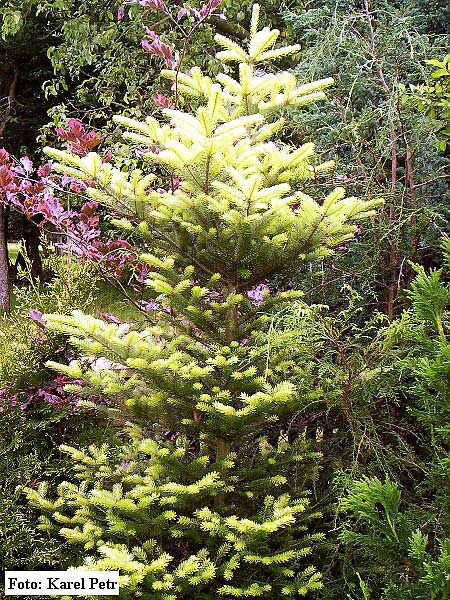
x: 4, y: 263
x: 5, y: 305
x: 10, y: 100
x: 31, y: 234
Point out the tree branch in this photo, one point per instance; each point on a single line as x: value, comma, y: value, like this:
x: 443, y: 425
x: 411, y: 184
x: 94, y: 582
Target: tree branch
x: 10, y: 99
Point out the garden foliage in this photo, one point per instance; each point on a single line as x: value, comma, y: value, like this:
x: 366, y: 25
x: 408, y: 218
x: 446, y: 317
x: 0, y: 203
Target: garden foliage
x: 406, y: 533
x: 36, y: 413
x: 222, y: 373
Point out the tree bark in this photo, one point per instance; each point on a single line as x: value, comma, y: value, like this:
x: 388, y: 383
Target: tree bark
x: 31, y: 234
x: 5, y: 304
x: 393, y: 252
x: 4, y: 264
x: 10, y: 100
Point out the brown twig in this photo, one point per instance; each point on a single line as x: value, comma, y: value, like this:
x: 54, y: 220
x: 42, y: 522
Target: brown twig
x: 10, y: 100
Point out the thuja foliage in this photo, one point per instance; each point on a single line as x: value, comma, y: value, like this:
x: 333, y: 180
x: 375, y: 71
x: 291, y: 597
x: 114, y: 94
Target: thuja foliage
x: 404, y: 530
x: 219, y: 509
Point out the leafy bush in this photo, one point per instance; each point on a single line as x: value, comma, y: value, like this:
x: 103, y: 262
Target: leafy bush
x: 434, y: 99
x: 36, y: 414
x: 26, y: 345
x: 29, y: 439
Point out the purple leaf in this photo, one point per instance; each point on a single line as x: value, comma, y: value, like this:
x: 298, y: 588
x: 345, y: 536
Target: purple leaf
x: 156, y: 4
x: 36, y: 317
x: 4, y: 156
x: 27, y: 164
x: 182, y: 13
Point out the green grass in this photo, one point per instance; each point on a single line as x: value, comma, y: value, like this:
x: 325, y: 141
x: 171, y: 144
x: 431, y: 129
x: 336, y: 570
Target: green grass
x: 13, y: 251
x: 110, y: 300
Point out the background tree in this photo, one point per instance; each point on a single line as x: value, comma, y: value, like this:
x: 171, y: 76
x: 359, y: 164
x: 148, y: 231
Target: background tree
x: 387, y: 147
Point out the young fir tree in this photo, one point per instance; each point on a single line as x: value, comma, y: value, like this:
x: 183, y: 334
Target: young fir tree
x: 220, y: 511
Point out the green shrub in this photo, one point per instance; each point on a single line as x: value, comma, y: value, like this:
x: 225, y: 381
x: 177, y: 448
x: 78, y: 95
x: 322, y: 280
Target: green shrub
x: 30, y: 433
x: 399, y: 543
x: 30, y: 441
x: 25, y: 345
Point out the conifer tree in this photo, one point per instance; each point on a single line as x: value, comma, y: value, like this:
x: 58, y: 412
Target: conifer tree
x: 207, y: 514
